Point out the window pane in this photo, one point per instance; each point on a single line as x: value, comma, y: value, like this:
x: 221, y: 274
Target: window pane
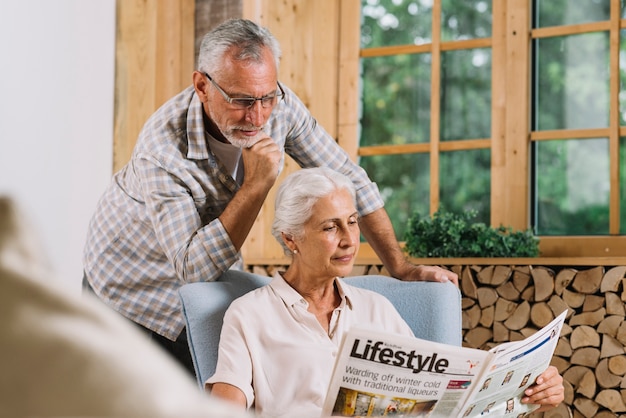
x: 572, y: 187
x: 466, y: 94
x: 396, y: 100
x: 404, y: 183
x: 622, y: 78
x: 465, y: 19
x: 465, y: 182
x: 391, y: 22
x: 571, y: 83
x: 568, y: 12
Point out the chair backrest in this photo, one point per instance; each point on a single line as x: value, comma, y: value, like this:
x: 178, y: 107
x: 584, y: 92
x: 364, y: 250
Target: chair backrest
x: 433, y: 310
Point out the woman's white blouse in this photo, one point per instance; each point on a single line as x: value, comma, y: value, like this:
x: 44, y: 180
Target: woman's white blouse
x: 279, y: 355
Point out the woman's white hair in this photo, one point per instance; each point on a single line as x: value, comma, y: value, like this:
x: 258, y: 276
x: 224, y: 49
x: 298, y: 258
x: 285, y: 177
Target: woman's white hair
x: 298, y: 193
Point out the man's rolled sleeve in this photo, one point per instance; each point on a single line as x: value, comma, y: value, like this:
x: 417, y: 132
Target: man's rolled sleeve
x: 368, y: 199
x: 219, y: 249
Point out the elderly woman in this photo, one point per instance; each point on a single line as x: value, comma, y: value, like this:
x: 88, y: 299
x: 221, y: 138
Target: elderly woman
x: 279, y: 342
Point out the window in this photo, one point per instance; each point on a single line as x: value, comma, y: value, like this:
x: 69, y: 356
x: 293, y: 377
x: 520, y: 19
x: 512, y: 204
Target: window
x: 426, y: 105
x: 570, y: 113
x: 515, y: 109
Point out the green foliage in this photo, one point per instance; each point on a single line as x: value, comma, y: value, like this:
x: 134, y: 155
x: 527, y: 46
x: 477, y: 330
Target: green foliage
x: 451, y: 235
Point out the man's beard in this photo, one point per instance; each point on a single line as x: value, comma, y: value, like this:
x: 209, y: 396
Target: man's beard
x: 245, y: 141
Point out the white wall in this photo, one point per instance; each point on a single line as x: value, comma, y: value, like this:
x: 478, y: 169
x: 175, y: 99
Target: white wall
x: 56, y: 117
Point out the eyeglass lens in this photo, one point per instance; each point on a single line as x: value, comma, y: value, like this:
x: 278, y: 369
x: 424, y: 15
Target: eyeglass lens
x: 246, y: 102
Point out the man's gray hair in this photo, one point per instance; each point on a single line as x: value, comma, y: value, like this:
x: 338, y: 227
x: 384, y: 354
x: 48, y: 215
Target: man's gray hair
x: 249, y: 38
x: 298, y: 193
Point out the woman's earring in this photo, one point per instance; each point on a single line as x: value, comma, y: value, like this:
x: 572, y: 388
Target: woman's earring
x: 294, y: 252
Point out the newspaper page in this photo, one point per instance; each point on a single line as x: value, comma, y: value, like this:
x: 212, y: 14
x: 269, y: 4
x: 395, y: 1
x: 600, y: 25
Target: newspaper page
x: 382, y: 374
x: 512, y: 368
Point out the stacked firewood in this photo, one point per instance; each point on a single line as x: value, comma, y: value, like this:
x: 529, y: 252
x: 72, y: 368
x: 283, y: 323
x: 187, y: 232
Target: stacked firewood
x: 509, y: 303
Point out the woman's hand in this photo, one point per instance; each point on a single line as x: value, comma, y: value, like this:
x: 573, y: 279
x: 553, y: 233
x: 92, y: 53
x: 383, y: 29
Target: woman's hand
x: 548, y: 390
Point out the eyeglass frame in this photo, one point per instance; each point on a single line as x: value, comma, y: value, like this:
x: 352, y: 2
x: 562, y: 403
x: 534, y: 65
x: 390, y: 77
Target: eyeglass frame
x: 252, y: 100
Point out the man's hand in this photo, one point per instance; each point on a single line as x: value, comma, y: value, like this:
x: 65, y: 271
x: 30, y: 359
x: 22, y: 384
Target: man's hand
x: 261, y: 162
x: 548, y: 390
x: 427, y: 274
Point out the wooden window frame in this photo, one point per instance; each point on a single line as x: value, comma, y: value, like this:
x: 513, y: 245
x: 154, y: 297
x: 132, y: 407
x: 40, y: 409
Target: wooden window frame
x: 511, y: 139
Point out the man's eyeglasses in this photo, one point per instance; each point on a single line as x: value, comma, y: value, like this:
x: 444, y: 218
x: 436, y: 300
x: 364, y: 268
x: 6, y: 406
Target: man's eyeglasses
x: 247, y: 102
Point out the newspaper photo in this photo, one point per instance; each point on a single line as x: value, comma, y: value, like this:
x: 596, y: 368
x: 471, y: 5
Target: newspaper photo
x: 380, y: 374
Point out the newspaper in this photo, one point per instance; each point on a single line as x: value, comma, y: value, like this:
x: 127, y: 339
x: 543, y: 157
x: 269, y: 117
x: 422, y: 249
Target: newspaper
x: 383, y: 374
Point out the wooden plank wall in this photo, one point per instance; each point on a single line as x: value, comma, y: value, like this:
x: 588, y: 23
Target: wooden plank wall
x: 308, y: 32
x: 210, y: 13
x: 154, y: 60
x: 156, y: 48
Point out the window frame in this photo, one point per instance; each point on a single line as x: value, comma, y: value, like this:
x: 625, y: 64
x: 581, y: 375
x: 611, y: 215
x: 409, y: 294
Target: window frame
x: 511, y: 134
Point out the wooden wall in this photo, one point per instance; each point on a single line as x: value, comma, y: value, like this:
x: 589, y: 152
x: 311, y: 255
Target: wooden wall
x: 157, y: 42
x: 210, y: 13
x: 308, y: 32
x: 153, y: 61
